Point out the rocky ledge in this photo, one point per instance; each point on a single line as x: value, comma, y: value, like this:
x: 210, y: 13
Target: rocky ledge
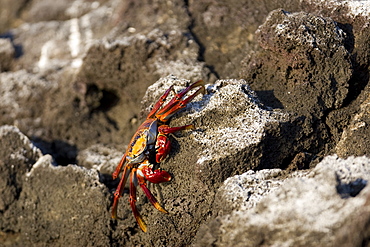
x: 279, y: 155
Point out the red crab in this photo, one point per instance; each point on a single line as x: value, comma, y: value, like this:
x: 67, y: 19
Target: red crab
x: 150, y: 145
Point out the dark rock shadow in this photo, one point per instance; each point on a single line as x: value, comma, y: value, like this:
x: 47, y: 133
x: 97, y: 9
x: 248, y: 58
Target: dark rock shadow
x: 18, y: 49
x: 280, y: 144
x: 267, y: 97
x: 360, y: 77
x: 350, y: 189
x: 62, y: 152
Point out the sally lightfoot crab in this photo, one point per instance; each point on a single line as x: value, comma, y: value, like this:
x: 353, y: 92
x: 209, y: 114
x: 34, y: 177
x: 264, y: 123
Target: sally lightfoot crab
x: 148, y: 147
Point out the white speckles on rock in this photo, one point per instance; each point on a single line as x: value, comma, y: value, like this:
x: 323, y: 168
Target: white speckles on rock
x: 244, y: 191
x: 242, y: 123
x: 299, y: 210
x: 99, y: 157
x: 230, y: 125
x: 17, y: 155
x: 9, y: 133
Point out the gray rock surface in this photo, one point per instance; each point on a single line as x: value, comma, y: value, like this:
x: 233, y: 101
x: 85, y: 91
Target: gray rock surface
x: 199, y: 166
x: 299, y: 211
x: 351, y: 142
x: 228, y: 118
x: 18, y: 154
x: 6, y: 54
x: 58, y: 201
x: 307, y: 43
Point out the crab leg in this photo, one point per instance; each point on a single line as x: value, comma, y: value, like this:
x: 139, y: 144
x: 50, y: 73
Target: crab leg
x: 142, y: 183
x: 178, y: 102
x: 180, y: 95
x: 136, y: 213
x: 160, y: 102
x: 165, y: 129
x: 119, y: 190
x: 119, y: 167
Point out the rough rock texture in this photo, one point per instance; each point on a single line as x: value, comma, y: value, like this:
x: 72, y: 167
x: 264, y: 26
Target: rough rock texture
x: 313, y: 209
x: 17, y: 89
x: 199, y: 166
x: 303, y: 67
x: 6, y: 54
x: 190, y: 194
x: 46, y: 200
x: 287, y: 85
x: 351, y: 141
x: 228, y: 118
x: 298, y: 49
x: 18, y: 155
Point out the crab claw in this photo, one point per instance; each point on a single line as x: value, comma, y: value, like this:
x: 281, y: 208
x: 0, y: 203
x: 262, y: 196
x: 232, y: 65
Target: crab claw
x: 156, y: 176
x: 145, y: 172
x: 163, y: 143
